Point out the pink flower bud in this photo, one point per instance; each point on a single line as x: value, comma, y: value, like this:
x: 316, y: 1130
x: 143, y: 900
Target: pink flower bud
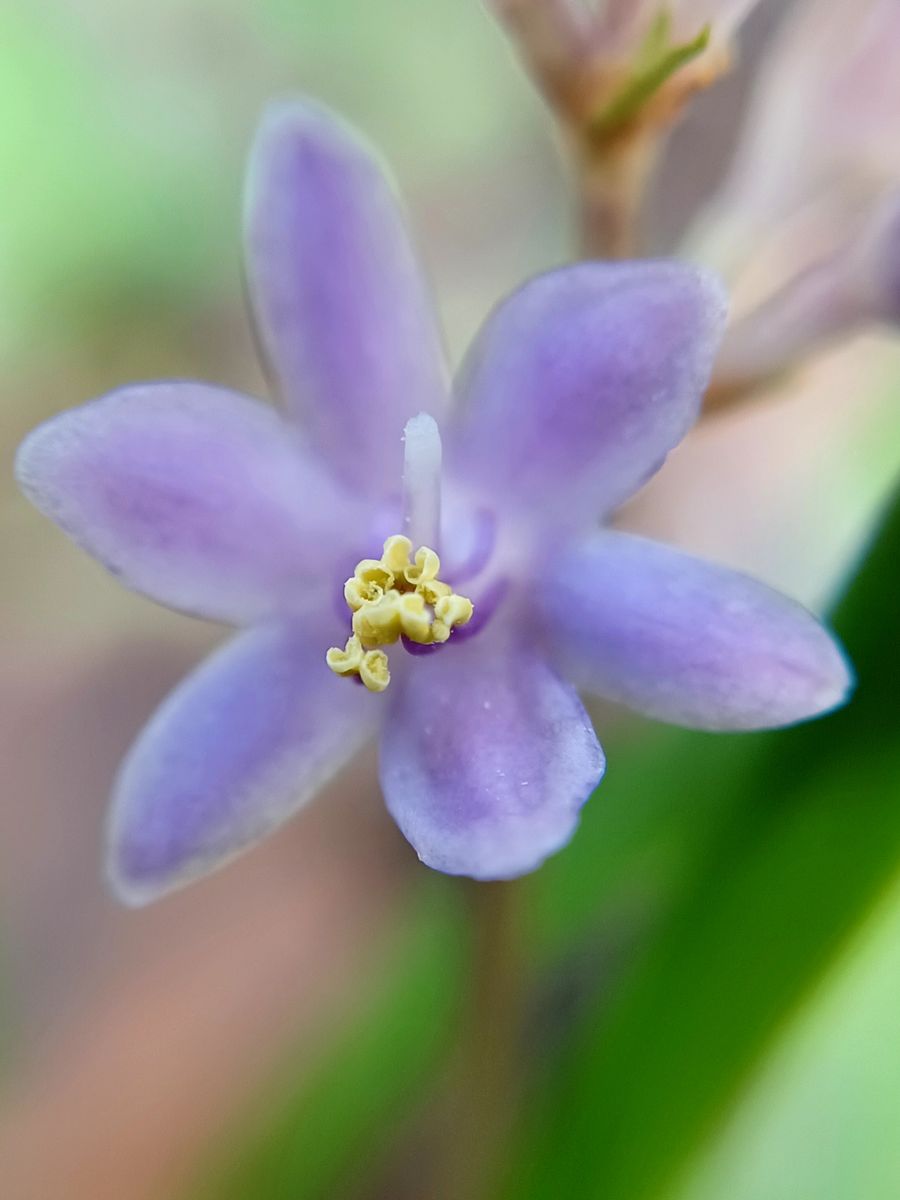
x: 722, y: 16
x: 856, y: 285
x: 821, y: 128
x: 625, y: 23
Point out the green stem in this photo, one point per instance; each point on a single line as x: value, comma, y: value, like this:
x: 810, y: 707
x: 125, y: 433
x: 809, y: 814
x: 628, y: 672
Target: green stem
x: 487, y: 1082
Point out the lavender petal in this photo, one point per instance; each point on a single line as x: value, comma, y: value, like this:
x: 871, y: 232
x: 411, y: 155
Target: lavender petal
x: 238, y: 747
x: 486, y: 759
x: 201, y: 498
x: 687, y: 641
x: 343, y: 313
x: 581, y: 383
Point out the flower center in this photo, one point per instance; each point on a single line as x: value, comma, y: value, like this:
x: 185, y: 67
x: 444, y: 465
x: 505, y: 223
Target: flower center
x: 392, y: 597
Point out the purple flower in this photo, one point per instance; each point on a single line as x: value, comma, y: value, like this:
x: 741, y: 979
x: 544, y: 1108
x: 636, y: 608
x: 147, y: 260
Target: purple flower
x: 292, y: 528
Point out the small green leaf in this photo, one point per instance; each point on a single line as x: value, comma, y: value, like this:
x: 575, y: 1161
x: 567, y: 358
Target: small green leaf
x: 657, y: 40
x: 655, y: 64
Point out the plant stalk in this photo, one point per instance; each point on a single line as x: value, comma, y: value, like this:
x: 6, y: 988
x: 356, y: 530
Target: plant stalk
x: 487, y: 1081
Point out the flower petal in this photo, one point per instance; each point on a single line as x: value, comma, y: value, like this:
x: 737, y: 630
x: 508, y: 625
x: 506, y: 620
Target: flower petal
x: 238, y: 747
x: 342, y: 309
x: 582, y: 382
x: 486, y: 759
x: 687, y: 641
x: 199, y: 497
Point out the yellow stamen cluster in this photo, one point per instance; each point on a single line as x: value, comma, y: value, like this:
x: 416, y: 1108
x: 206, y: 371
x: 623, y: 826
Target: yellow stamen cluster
x: 393, y: 596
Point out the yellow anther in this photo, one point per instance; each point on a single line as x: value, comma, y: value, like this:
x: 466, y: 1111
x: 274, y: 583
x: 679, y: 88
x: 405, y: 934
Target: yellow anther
x: 348, y: 660
x: 415, y: 619
x: 424, y: 569
x: 431, y: 590
x: 396, y: 554
x: 394, y: 596
x: 357, y: 593
x: 454, y: 610
x: 378, y: 624
x: 374, y: 571
x: 374, y: 670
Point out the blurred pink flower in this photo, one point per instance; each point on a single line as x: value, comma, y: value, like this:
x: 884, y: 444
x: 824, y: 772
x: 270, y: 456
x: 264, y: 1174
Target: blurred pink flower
x: 821, y: 130
x: 854, y: 285
x: 624, y: 23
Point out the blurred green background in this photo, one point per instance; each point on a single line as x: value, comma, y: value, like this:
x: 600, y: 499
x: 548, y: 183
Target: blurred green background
x: 712, y: 965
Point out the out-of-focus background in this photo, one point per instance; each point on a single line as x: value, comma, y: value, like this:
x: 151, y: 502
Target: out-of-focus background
x: 716, y: 959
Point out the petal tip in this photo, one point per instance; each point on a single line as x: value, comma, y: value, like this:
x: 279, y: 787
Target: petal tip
x: 519, y: 862
x: 710, y: 282
x: 141, y: 867
x: 128, y: 892
x: 129, y: 872
x: 707, y: 295
x: 702, y: 297
x: 826, y: 681
x: 838, y: 681
x: 29, y: 465
x: 294, y: 122
x: 294, y: 112
x: 134, y: 891
x: 712, y: 287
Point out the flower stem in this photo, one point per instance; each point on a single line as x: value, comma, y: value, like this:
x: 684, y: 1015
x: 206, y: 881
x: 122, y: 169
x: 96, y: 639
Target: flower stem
x: 610, y: 185
x: 487, y: 1081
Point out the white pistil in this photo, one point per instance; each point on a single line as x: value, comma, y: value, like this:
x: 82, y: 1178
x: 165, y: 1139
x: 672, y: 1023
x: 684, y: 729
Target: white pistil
x: 422, y: 481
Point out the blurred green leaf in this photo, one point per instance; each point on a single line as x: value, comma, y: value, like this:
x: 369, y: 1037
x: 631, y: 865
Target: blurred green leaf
x: 112, y: 195
x: 821, y: 1120
x: 807, y: 840
x: 330, y: 1123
